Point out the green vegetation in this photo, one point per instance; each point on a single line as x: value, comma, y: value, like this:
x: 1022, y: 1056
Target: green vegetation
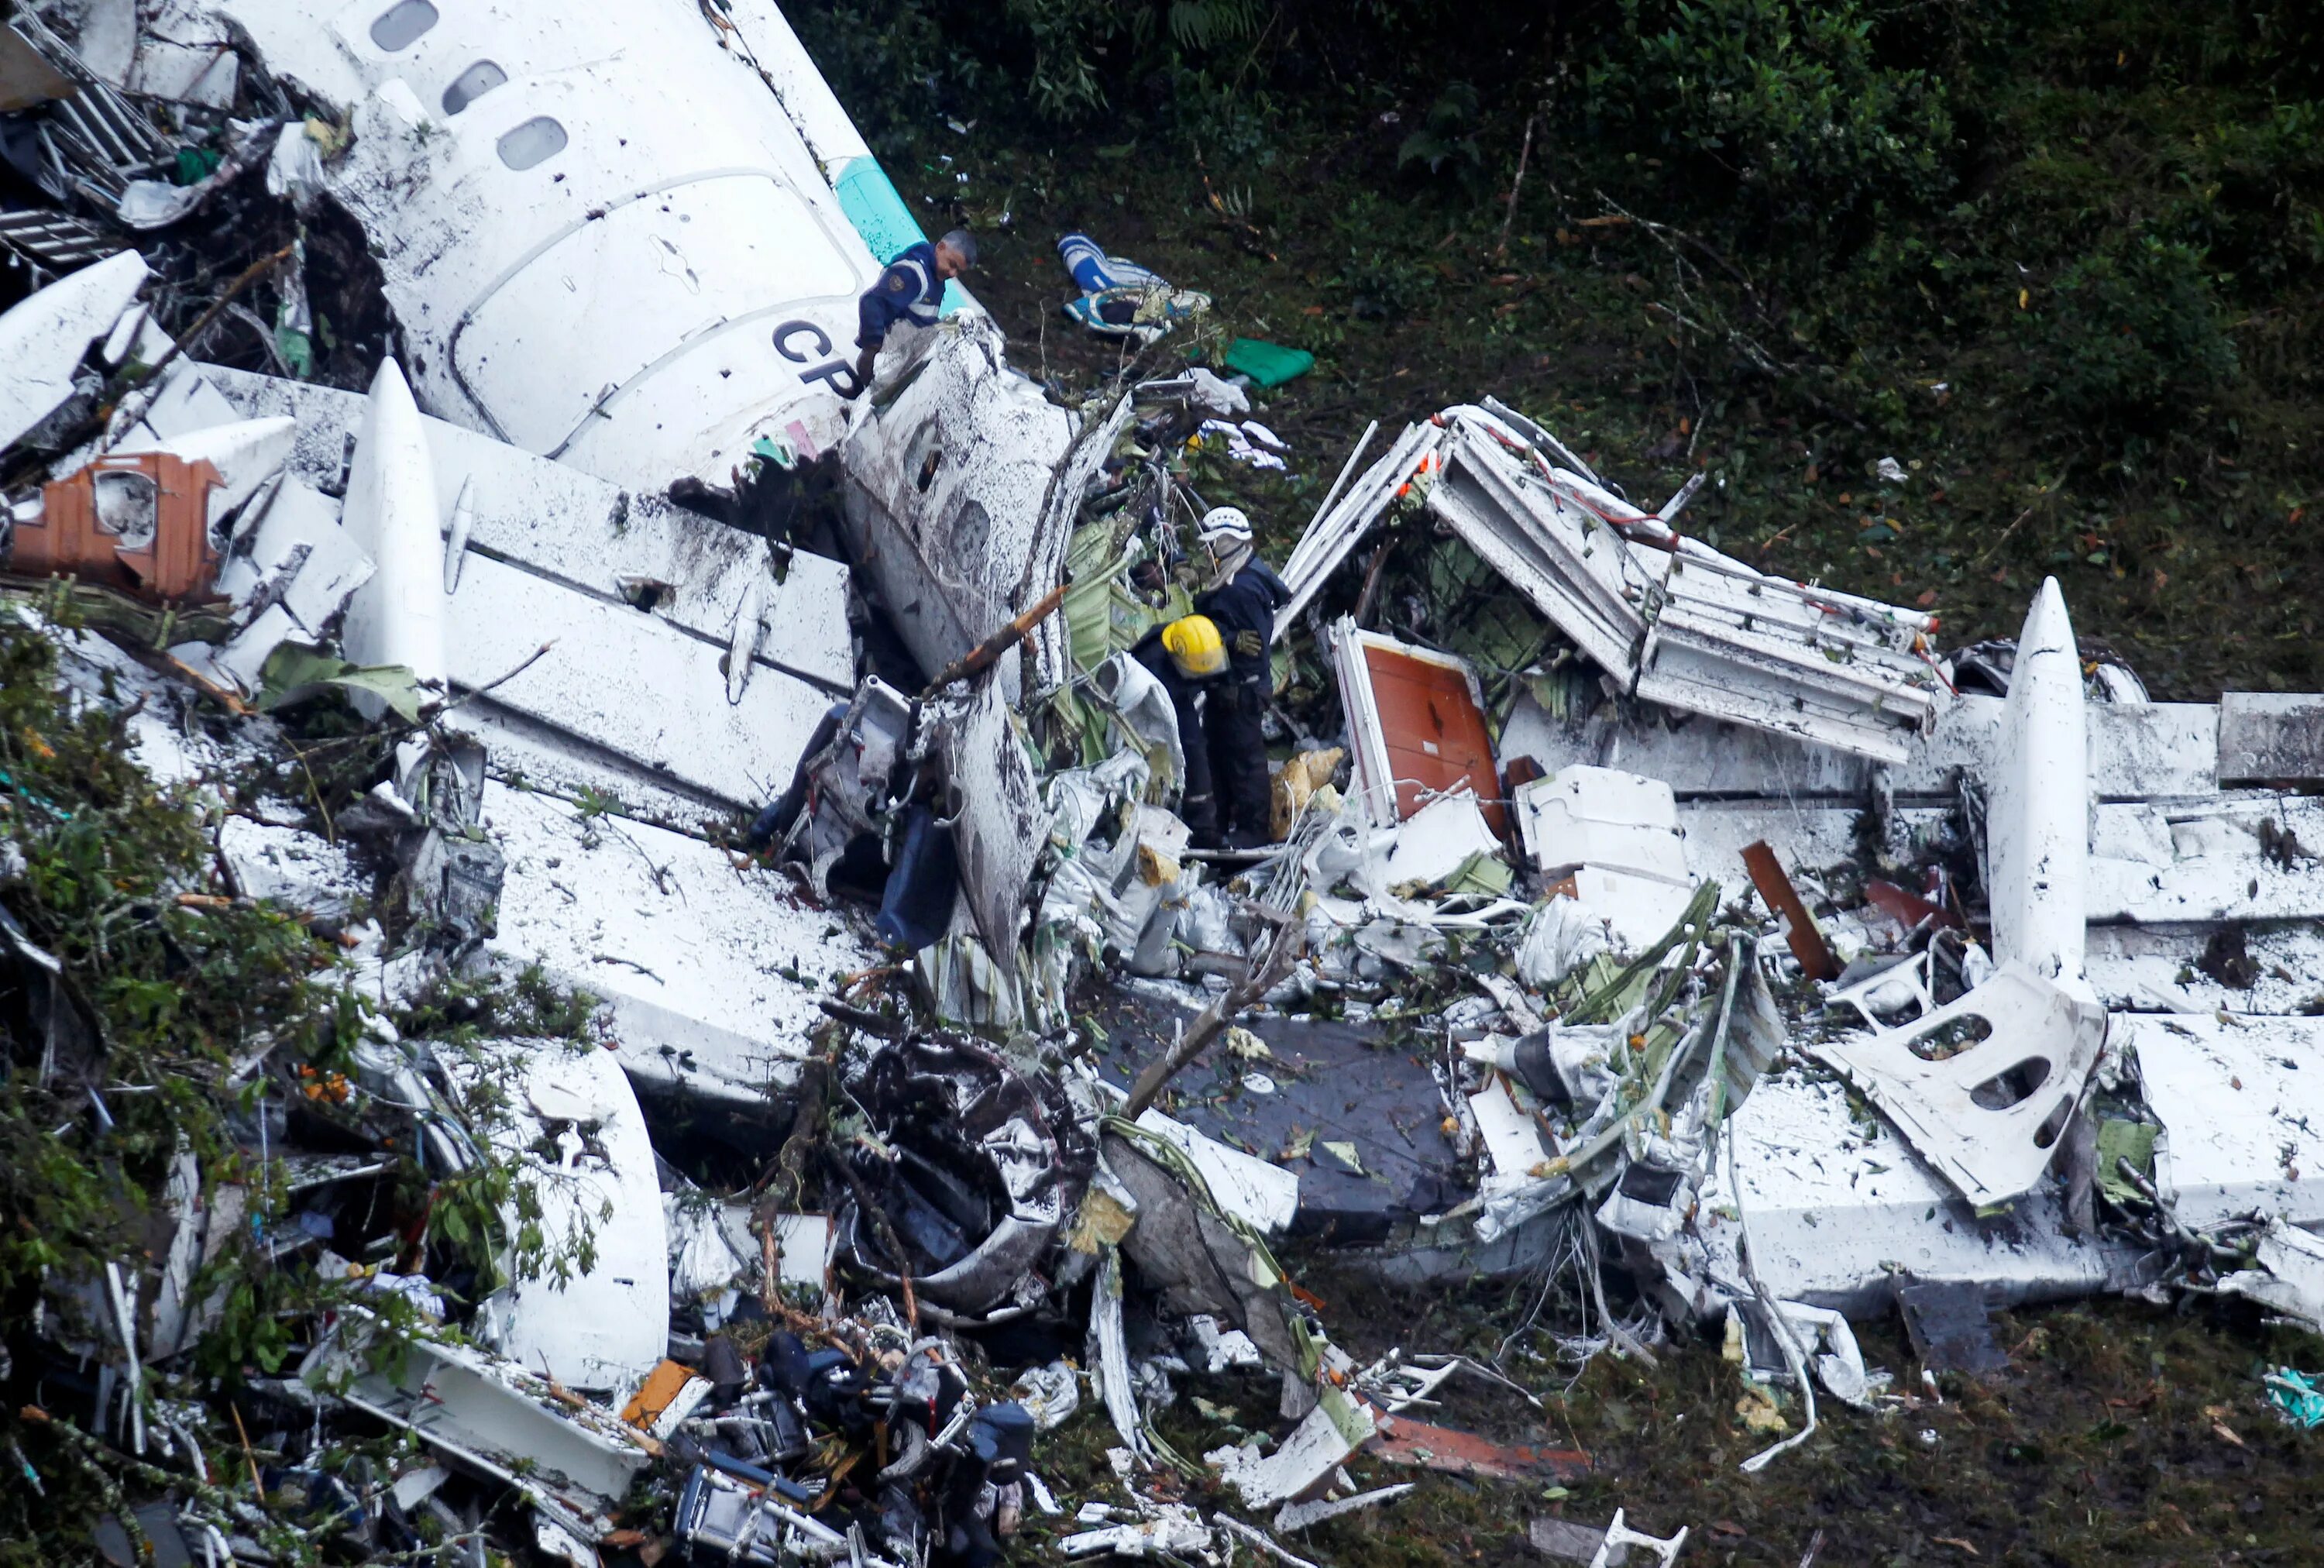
x: 187, y: 1020
x: 2061, y: 259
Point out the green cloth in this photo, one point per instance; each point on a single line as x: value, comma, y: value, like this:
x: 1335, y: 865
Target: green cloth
x: 195, y: 164
x: 2120, y: 1139
x: 1267, y: 364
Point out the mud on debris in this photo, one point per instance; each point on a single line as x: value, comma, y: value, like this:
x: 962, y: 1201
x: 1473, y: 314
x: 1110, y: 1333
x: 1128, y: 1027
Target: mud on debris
x: 610, y: 954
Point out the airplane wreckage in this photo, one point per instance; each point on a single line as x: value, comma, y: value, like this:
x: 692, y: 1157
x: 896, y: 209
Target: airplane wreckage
x: 1717, y: 931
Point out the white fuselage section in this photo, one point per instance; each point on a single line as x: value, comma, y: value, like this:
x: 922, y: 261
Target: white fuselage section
x: 605, y: 237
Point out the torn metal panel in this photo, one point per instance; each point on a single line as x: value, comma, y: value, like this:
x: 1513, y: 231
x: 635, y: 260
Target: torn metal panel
x: 2289, y: 1279
x: 1000, y: 824
x: 1336, y: 531
x: 1415, y: 723
x: 1304, y: 1462
x: 1840, y: 1205
x: 290, y: 868
x: 1294, y: 1516
x: 1767, y: 652
x: 27, y: 79
x: 630, y: 700
x: 2137, y: 750
x: 614, y: 249
x: 94, y: 133
x: 1601, y: 816
x: 1669, y: 619
x: 963, y: 487
x: 2203, y: 969
x: 1405, y: 1441
x: 1567, y: 560
x: 619, y: 679
x: 2271, y: 738
x: 2236, y: 857
x: 1263, y: 1195
x: 244, y: 455
x: 559, y: 523
x: 1808, y: 839
x: 2236, y: 1097
x: 44, y: 338
x: 2037, y: 834
x: 1436, y: 841
x: 694, y: 959
x: 1193, y: 1257
x: 1983, y: 1086
x: 289, y: 551
x: 977, y: 1168
x: 573, y: 1127
x: 486, y: 1414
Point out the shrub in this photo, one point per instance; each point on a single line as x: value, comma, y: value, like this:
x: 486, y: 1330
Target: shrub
x: 1784, y: 108
x: 2133, y: 334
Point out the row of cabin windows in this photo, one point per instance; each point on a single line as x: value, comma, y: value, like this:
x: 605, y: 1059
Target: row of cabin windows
x: 536, y: 141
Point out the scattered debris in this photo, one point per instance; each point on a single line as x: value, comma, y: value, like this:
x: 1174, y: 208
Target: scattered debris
x: 771, y: 1192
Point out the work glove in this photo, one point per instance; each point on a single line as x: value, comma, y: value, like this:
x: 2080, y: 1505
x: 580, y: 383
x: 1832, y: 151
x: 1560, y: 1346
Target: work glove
x: 1249, y: 644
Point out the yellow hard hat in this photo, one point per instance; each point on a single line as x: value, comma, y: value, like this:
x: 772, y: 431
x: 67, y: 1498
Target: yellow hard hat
x: 1196, y: 647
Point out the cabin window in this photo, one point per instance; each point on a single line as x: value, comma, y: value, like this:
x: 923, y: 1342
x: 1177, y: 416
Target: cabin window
x: 472, y: 83
x: 537, y: 139
x: 400, y: 24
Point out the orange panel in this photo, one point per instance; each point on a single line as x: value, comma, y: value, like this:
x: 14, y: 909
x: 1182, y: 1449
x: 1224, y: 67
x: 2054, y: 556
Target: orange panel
x: 1436, y: 737
x: 74, y: 536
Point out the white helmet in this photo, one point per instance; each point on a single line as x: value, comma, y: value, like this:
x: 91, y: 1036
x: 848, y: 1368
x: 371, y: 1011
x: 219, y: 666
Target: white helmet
x: 1223, y: 525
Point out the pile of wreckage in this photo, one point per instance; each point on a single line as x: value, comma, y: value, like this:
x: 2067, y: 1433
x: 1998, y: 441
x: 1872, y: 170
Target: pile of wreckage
x: 1638, y: 917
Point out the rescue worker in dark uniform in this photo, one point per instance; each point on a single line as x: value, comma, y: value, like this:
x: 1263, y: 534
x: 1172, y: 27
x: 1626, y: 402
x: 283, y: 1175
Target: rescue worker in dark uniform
x: 1242, y: 599
x: 911, y: 289
x: 1189, y: 658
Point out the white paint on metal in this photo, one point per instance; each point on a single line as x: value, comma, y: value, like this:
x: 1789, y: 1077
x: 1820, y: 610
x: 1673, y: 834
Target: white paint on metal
x: 2272, y: 737
x: 1840, y: 1207
x: 1602, y: 817
x: 486, y: 1413
x: 695, y: 959
x: 1000, y: 824
x: 963, y: 484
x: 1667, y: 619
x: 44, y: 338
x: 293, y: 553
x: 1244, y: 1186
x: 246, y: 454
x: 455, y: 537
x: 2236, y: 1097
x: 391, y: 513
x: 2137, y: 751
x: 608, y: 1324
x: 624, y: 255
x: 563, y: 524
x: 1984, y: 1087
x: 623, y: 679
x: 1512, y: 1142
x: 2037, y: 830
x: 2237, y: 857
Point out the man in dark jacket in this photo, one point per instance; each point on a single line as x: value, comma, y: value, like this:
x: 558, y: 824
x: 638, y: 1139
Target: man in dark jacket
x: 1189, y: 658
x: 1242, y: 597
x: 911, y: 289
